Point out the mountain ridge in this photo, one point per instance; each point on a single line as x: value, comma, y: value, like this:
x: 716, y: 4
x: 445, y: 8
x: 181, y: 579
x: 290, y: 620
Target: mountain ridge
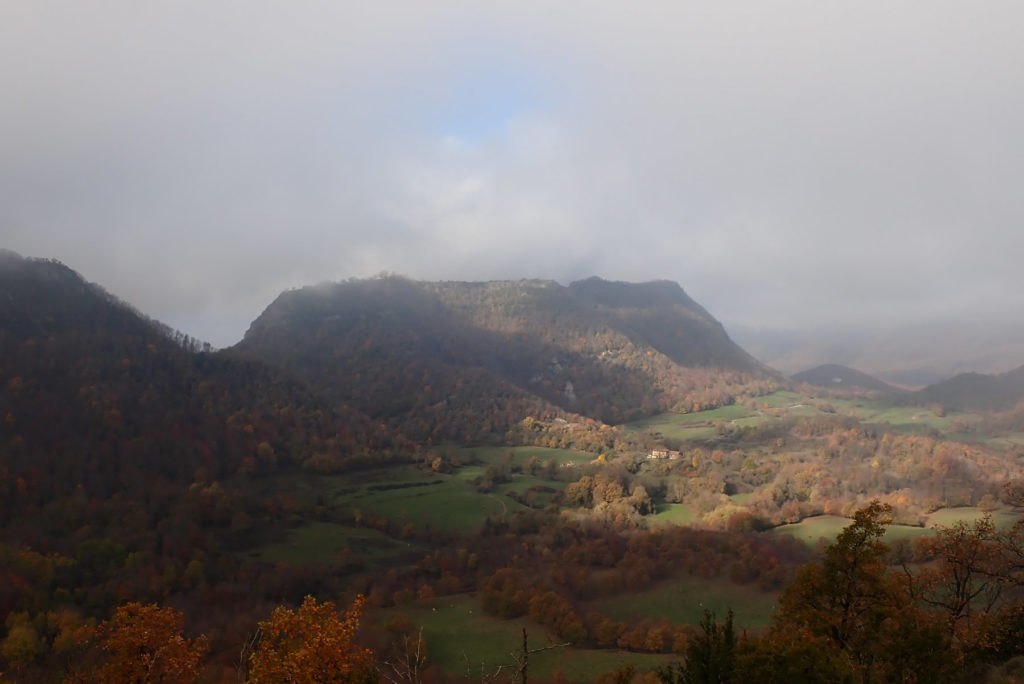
x: 597, y: 348
x: 96, y: 389
x: 967, y: 391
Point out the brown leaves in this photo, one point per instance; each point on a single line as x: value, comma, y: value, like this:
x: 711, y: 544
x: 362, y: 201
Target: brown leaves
x: 144, y: 643
x: 311, y: 645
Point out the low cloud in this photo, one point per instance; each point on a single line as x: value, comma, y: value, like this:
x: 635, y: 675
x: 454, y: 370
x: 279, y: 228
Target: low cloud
x: 792, y: 165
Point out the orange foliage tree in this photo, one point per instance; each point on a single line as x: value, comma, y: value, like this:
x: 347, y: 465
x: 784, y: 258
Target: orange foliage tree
x: 144, y: 643
x: 311, y: 645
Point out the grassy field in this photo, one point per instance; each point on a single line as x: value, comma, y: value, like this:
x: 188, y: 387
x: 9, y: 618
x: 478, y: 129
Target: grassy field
x: 828, y: 527
x: 461, y: 637
x: 319, y: 542
x: 1007, y: 441
x: 672, y: 514
x: 683, y: 602
x: 445, y: 502
x: 812, y: 530
x: 521, y: 454
x: 689, y: 425
x: 901, y: 418
x: 949, y: 516
x: 425, y: 498
x: 701, y: 425
x: 781, y: 399
x: 692, y: 426
x: 671, y: 426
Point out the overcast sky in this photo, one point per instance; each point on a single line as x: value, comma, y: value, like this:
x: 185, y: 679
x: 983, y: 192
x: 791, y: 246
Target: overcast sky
x: 790, y: 164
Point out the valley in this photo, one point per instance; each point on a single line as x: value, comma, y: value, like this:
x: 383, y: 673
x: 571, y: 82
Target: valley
x: 596, y: 464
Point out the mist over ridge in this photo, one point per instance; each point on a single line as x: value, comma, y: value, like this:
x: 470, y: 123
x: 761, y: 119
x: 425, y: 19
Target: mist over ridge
x: 799, y: 166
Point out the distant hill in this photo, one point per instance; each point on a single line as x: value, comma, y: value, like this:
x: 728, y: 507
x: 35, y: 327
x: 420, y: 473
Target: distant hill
x: 461, y: 360
x: 838, y: 376
x: 910, y: 353
x: 977, y: 391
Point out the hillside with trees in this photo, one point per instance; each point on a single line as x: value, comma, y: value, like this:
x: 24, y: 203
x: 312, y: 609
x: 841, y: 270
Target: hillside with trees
x: 467, y: 360
x: 456, y: 465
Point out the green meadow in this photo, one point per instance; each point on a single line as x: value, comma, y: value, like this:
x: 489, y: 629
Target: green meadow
x: 462, y: 640
x: 319, y: 542
x: 684, y: 600
x: 703, y: 424
x: 672, y: 514
x: 424, y: 498
x: 827, y: 527
x: 1002, y: 518
x: 907, y: 419
x: 521, y: 454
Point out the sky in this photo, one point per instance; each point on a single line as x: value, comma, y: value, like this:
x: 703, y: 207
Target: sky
x: 793, y: 165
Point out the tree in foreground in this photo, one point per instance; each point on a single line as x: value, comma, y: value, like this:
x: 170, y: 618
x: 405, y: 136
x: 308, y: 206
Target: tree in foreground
x: 144, y: 643
x: 311, y: 645
x: 857, y: 606
x: 710, y: 656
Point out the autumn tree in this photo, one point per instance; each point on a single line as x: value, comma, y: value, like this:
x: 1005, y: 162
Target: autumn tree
x: 22, y: 644
x: 790, y: 656
x: 856, y: 604
x: 710, y: 655
x: 311, y: 645
x: 965, y: 577
x: 144, y: 643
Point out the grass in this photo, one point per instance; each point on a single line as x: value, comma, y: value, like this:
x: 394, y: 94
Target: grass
x: 945, y: 517
x: 1006, y: 441
x: 672, y: 514
x: 684, y: 600
x: 701, y: 425
x: 319, y: 542
x: 825, y: 528
x: 828, y: 527
x: 905, y: 419
x: 460, y: 636
x: 663, y: 422
x: 449, y: 502
x: 522, y: 454
x: 672, y: 426
x: 812, y: 530
x: 781, y: 399
x: 422, y: 498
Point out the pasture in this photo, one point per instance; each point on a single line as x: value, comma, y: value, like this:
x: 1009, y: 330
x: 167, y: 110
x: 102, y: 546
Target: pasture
x: 520, y: 455
x: 684, y: 599
x: 424, y: 498
x: 462, y: 640
x: 825, y: 528
x: 672, y: 514
x: 1003, y: 518
x: 906, y: 419
x: 318, y: 543
x: 702, y: 425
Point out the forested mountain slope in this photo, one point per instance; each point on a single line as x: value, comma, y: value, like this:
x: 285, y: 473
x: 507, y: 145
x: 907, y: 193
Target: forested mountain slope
x: 100, y: 404
x: 462, y: 360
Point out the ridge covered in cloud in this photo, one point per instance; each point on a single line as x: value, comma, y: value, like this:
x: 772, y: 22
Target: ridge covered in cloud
x: 791, y: 164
